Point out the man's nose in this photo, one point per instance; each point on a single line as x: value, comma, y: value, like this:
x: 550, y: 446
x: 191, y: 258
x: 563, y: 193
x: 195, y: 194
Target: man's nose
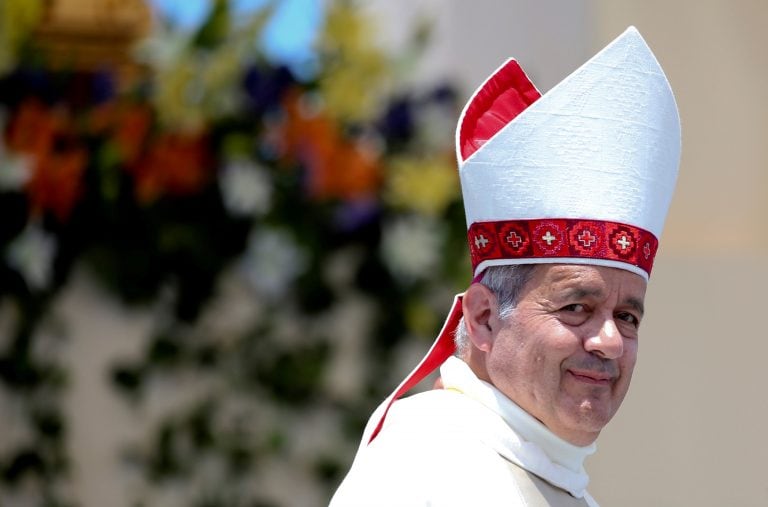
x: 606, y: 341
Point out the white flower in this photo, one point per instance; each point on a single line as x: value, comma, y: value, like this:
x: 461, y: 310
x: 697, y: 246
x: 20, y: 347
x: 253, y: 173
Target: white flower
x: 15, y: 169
x: 162, y: 48
x: 435, y: 124
x: 32, y: 254
x: 272, y: 261
x: 246, y: 188
x: 411, y: 247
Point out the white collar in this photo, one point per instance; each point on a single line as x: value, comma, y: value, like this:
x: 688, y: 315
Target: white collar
x: 566, y: 461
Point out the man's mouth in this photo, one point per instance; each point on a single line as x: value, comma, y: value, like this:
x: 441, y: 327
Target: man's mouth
x: 592, y: 377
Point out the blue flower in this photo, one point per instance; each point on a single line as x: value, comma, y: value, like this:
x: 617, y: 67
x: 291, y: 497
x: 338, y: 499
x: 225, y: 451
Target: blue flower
x: 265, y: 87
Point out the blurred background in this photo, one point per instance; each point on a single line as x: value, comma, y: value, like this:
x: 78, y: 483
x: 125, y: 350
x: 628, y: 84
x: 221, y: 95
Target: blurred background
x: 229, y: 228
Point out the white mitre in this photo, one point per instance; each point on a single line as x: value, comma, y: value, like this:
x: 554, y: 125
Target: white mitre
x: 584, y: 174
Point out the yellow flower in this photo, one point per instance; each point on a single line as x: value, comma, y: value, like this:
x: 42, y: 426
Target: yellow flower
x: 194, y: 86
x: 423, y: 184
x: 179, y: 94
x: 17, y: 19
x: 355, y: 70
x: 350, y: 91
x: 345, y: 29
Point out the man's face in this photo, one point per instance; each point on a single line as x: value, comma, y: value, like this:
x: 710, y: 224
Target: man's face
x: 567, y: 351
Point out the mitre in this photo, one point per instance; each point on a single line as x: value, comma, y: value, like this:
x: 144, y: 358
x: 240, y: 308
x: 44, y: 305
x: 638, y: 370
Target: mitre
x: 582, y: 174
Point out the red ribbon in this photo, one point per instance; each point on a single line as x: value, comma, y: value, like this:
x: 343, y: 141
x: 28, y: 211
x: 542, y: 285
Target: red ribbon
x: 443, y: 347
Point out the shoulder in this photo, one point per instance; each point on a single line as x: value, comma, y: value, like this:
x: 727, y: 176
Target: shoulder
x: 427, y: 454
x: 435, y: 422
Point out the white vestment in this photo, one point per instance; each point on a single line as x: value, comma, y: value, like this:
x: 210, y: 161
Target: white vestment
x: 466, y: 444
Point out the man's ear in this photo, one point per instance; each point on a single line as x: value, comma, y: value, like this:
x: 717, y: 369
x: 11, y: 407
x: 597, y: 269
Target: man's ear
x: 480, y: 307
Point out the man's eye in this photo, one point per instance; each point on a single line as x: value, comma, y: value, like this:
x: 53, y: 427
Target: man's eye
x: 628, y: 317
x: 578, y: 308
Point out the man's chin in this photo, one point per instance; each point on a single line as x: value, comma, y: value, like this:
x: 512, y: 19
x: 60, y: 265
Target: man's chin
x: 588, y: 418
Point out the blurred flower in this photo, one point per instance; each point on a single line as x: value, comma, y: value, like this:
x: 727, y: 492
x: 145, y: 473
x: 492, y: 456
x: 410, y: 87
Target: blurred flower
x: 411, y: 247
x: 174, y: 164
x: 178, y: 94
x: 303, y: 127
x: 337, y: 167
x: 189, y: 90
x: 17, y: 19
x: 214, y: 30
x: 349, y: 88
x: 32, y: 254
x: 57, y: 182
x: 204, y: 118
x: 246, y: 188
x: 103, y: 87
x: 436, y: 121
x: 195, y: 89
x: 15, y: 169
x: 444, y: 94
x: 220, y: 78
x: 33, y: 127
x: 197, y: 80
x: 423, y: 184
x: 162, y: 47
x: 348, y: 171
x: 125, y: 124
x: 355, y: 213
x: 273, y: 260
x: 101, y: 118
x: 346, y: 30
x: 355, y: 68
x: 398, y: 121
x: 84, y: 89
x: 265, y: 87
x: 132, y: 126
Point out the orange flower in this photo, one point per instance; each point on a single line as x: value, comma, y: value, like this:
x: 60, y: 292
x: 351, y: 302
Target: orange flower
x: 128, y: 123
x: 133, y: 126
x: 347, y: 172
x: 338, y: 167
x: 302, y: 128
x: 56, y: 182
x: 101, y: 118
x: 33, y: 128
x: 175, y: 164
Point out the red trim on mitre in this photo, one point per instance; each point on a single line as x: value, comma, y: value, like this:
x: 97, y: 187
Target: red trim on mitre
x: 442, y: 348
x: 553, y: 238
x: 504, y: 95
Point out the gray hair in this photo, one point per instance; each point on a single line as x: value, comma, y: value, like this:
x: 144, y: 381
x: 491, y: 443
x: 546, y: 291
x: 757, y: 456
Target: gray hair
x: 506, y: 283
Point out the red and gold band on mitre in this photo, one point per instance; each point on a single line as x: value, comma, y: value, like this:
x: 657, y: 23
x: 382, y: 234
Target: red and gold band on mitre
x: 551, y: 240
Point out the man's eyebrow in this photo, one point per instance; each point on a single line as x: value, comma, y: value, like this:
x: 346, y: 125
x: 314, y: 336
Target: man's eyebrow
x: 580, y: 292
x: 637, y: 304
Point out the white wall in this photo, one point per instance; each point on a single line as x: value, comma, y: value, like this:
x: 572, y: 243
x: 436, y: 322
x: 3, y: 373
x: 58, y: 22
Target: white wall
x: 692, y: 431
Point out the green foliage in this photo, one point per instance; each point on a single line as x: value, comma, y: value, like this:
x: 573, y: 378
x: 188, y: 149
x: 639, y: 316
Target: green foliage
x: 219, y: 167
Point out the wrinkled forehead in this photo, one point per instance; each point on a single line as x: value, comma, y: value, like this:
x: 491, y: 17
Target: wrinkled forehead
x: 587, y: 280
